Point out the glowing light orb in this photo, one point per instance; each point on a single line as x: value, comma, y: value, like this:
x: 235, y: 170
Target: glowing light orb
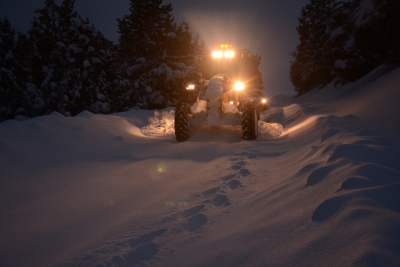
x: 161, y: 168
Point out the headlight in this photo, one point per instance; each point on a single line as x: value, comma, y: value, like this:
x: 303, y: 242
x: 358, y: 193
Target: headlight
x: 190, y: 86
x: 223, y: 54
x: 238, y: 86
x: 217, y: 54
x: 229, y: 54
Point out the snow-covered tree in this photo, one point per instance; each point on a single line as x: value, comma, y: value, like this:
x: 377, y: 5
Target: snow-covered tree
x: 70, y: 59
x: 159, y: 55
x: 375, y: 36
x: 64, y: 64
x: 313, y: 60
x: 8, y: 86
x: 344, y: 40
x: 12, y: 96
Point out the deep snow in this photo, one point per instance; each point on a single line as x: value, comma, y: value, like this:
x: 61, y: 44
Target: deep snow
x: 93, y: 190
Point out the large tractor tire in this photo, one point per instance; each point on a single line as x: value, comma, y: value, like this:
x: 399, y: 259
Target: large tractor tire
x: 249, y: 122
x: 181, y: 123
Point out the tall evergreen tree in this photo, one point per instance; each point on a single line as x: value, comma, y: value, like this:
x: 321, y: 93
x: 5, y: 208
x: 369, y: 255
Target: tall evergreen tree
x: 70, y: 59
x: 159, y: 55
x: 12, y: 96
x: 69, y: 67
x: 313, y: 60
x: 347, y: 65
x: 377, y: 38
x: 351, y: 39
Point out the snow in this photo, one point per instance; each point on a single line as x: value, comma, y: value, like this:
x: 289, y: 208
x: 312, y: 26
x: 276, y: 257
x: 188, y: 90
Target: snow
x: 84, y: 38
x: 96, y: 60
x: 212, y: 96
x: 320, y: 187
x: 365, y: 9
x: 86, y: 64
x: 342, y: 64
x: 9, y: 55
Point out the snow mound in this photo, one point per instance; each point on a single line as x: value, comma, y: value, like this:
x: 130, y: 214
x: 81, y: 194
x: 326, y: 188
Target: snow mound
x: 161, y: 125
x: 268, y: 130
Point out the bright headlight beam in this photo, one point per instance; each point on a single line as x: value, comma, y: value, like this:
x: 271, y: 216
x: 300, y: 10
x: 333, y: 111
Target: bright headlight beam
x: 190, y: 86
x: 238, y: 86
x: 217, y: 54
x: 229, y: 54
x: 223, y: 54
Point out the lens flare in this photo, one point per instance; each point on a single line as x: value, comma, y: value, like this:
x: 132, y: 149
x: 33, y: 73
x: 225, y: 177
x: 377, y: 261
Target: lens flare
x: 238, y: 86
x: 161, y: 168
x: 173, y: 203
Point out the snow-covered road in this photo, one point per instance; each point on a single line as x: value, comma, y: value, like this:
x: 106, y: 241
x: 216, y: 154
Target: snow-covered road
x: 94, y: 191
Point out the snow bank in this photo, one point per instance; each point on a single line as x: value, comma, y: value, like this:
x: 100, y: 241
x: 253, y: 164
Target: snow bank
x: 161, y: 125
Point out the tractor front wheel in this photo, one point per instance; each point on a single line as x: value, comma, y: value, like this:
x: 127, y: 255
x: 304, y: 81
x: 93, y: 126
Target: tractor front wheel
x: 249, y: 121
x: 181, y: 123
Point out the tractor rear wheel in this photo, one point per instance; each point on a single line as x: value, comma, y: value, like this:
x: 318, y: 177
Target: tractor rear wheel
x: 181, y: 123
x: 249, y: 122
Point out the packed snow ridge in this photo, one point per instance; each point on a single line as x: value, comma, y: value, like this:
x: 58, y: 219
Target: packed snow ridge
x: 319, y: 187
x: 162, y: 125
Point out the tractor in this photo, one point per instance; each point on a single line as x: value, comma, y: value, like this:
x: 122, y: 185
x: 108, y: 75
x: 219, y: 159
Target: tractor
x: 227, y: 94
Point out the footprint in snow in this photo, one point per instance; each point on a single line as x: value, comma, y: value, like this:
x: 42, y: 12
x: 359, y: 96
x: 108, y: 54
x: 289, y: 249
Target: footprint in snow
x: 143, y: 247
x: 219, y: 200
x: 228, y: 177
x: 192, y: 211
x: 235, y: 159
x: 133, y: 242
x: 211, y: 191
x: 236, y: 167
x: 233, y: 184
x: 142, y: 253
x: 244, y: 172
x: 194, y: 218
x: 195, y: 222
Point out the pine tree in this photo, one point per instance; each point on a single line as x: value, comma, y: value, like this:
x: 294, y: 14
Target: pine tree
x: 43, y: 35
x: 12, y: 97
x: 313, y: 59
x: 342, y: 43
x: 357, y: 37
x: 377, y: 37
x: 33, y: 104
x: 255, y: 76
x: 159, y: 55
x: 70, y: 59
x: 371, y: 38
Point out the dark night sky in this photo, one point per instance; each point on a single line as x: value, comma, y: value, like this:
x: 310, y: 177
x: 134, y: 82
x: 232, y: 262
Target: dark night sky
x: 265, y: 27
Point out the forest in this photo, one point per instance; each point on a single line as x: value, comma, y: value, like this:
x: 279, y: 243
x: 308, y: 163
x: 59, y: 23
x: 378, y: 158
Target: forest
x: 63, y: 64
x: 341, y: 41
